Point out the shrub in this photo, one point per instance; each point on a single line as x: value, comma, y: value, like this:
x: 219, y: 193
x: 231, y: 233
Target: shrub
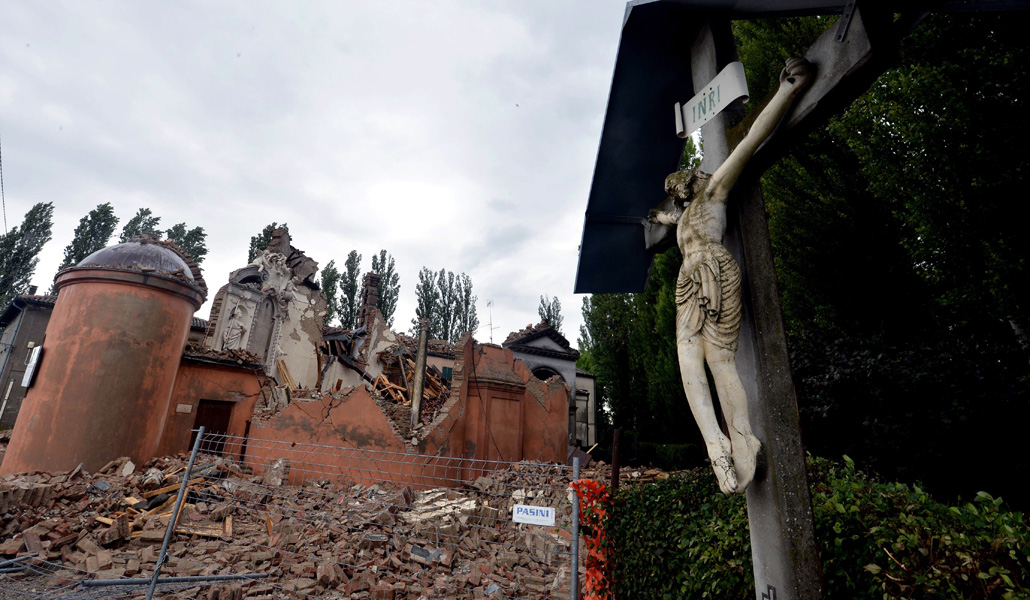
x: 681, y: 538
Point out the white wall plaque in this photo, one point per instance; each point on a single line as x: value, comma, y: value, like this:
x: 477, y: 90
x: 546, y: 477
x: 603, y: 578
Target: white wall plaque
x: 31, y: 364
x: 534, y: 515
x: 727, y: 86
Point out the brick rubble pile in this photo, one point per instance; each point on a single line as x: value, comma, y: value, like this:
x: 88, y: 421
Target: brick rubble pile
x: 326, y: 539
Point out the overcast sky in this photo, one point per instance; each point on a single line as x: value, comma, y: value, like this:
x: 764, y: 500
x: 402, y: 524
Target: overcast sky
x: 455, y: 135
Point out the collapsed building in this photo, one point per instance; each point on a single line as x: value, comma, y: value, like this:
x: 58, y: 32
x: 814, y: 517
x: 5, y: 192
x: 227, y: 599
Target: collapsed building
x: 124, y: 369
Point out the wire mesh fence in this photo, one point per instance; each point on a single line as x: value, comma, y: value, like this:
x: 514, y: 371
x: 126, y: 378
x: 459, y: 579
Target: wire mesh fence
x: 278, y: 519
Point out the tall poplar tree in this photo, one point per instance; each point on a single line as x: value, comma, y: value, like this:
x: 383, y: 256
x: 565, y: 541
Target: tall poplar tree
x: 466, y: 319
x: 191, y: 241
x: 92, y: 234
x: 19, y: 250
x: 330, y: 284
x: 259, y: 243
x: 447, y: 301
x: 349, y: 288
x: 389, y: 285
x: 427, y: 300
x: 550, y: 311
x: 142, y: 223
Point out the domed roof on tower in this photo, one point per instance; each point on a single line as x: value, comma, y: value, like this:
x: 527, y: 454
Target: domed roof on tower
x: 135, y: 254
x: 148, y: 254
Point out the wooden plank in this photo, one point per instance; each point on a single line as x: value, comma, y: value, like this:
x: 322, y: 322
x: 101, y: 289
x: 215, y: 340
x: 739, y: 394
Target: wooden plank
x: 157, y: 510
x: 284, y: 373
x: 182, y: 509
x: 211, y: 531
x: 170, y: 488
x: 318, y: 360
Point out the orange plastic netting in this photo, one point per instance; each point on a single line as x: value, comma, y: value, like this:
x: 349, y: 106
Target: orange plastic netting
x: 594, y: 506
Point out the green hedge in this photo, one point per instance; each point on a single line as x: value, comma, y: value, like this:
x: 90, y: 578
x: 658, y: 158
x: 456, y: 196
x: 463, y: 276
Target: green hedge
x: 681, y: 538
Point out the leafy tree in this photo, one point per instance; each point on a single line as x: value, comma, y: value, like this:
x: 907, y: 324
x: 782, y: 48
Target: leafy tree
x: 443, y: 320
x: 628, y: 341
x: 680, y: 538
x: 143, y: 223
x: 259, y: 243
x: 92, y: 234
x: 466, y: 319
x: 19, y: 250
x: 349, y: 288
x: 447, y: 301
x: 192, y: 241
x: 427, y: 296
x: 550, y: 311
x: 903, y: 276
x: 330, y: 287
x: 608, y: 320
x: 389, y: 285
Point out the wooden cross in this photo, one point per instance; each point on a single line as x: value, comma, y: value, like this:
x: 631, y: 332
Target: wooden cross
x: 783, y: 547
x: 848, y: 57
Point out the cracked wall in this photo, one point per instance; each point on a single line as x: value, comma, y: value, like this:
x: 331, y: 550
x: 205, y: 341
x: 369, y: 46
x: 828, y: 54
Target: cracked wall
x: 324, y: 439
x: 500, y: 411
x: 196, y: 381
x: 497, y: 411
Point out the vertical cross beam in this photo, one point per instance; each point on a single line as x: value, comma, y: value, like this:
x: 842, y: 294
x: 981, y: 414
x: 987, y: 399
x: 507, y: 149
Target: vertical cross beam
x: 786, y: 560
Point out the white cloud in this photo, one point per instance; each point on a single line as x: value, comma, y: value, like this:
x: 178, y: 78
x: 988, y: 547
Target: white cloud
x: 457, y: 135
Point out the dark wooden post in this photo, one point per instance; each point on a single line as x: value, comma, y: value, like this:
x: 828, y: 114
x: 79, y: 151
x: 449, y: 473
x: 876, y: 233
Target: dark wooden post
x: 616, y: 441
x: 786, y: 560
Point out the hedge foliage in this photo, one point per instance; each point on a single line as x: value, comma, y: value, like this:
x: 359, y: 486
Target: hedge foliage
x: 681, y: 538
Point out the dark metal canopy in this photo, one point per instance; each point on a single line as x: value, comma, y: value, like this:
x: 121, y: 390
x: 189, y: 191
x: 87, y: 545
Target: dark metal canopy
x: 639, y: 146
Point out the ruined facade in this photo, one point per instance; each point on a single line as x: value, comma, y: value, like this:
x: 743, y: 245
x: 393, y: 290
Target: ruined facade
x: 123, y: 374
x: 547, y: 354
x: 273, y: 308
x: 494, y: 410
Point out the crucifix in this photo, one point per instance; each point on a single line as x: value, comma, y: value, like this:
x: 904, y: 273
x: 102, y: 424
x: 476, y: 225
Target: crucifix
x: 671, y: 50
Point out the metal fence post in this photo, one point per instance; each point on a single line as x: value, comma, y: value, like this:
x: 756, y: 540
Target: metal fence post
x: 575, y: 531
x: 175, y: 514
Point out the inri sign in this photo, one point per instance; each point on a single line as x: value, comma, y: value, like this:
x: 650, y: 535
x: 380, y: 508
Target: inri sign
x: 727, y: 86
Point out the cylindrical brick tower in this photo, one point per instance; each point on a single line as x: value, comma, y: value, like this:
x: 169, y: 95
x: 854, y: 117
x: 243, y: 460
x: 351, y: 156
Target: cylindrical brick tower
x: 109, y: 360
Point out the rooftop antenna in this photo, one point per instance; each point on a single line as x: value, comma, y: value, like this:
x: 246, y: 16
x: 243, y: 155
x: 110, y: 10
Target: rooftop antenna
x: 490, y: 309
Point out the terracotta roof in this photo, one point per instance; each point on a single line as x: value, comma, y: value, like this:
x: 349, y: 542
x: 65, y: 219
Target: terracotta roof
x: 198, y: 323
x: 39, y: 300
x: 239, y: 357
x: 541, y: 329
x: 19, y: 302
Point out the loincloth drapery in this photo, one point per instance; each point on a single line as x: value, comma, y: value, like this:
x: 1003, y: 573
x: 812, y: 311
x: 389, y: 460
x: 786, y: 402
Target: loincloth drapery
x: 708, y: 300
